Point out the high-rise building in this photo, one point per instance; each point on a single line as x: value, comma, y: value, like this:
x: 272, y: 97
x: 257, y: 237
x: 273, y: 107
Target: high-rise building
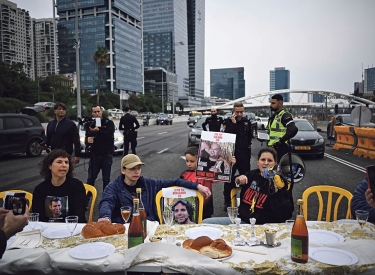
x: 369, y: 84
x: 114, y: 24
x: 16, y: 38
x: 45, y: 57
x: 196, y: 30
x: 280, y: 80
x: 315, y: 98
x: 173, y: 38
x: 227, y: 83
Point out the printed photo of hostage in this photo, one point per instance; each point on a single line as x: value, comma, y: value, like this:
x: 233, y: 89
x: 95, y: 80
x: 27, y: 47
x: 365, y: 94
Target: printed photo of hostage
x: 216, y: 157
x: 183, y: 212
x: 55, y: 208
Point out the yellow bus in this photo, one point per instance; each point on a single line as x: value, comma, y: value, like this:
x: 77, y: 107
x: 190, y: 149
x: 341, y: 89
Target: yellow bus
x: 195, y: 113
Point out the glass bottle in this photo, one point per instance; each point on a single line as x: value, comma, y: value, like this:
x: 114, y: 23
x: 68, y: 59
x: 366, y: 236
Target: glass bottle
x: 300, y: 238
x: 142, y: 212
x: 135, y: 232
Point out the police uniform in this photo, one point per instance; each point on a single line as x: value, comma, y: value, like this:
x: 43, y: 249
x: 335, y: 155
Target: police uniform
x: 130, y: 135
x: 281, y: 128
x: 214, y: 123
x: 243, y: 132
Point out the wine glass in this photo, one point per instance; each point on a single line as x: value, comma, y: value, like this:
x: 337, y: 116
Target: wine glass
x: 232, y: 213
x: 362, y: 217
x: 168, y: 218
x: 33, y: 220
x: 238, y: 240
x: 289, y: 225
x: 125, y: 213
x: 71, y: 223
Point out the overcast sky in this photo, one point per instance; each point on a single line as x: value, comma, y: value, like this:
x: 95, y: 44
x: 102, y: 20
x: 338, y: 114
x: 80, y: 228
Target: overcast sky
x: 322, y: 42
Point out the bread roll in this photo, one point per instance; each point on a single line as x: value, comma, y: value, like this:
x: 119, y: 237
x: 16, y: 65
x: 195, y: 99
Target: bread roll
x: 205, y: 246
x: 101, y: 229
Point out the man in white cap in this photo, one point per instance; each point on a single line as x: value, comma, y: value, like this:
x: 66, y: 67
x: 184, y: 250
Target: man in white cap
x: 122, y: 190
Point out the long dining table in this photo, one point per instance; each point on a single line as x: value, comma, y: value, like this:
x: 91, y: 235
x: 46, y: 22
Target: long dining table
x: 31, y: 252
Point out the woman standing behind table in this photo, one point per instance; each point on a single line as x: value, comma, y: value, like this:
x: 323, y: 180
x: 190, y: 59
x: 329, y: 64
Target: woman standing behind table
x: 259, y: 198
x: 59, y: 195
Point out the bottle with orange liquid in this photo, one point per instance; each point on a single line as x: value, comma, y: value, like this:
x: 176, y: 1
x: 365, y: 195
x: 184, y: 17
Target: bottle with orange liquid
x: 142, y: 212
x: 300, y: 238
x: 135, y: 231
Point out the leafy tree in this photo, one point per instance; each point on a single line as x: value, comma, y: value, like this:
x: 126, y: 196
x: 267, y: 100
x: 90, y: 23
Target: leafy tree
x: 101, y: 58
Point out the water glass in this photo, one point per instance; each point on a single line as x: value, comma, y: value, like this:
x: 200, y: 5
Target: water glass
x: 71, y: 223
x: 125, y: 213
x: 168, y: 217
x: 289, y: 226
x: 33, y: 220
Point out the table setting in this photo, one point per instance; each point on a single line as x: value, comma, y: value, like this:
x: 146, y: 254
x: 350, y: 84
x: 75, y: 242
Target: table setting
x: 342, y: 246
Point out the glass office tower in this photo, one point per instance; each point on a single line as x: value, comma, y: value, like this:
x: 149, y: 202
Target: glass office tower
x: 165, y: 39
x: 227, y: 83
x: 280, y: 80
x: 115, y: 24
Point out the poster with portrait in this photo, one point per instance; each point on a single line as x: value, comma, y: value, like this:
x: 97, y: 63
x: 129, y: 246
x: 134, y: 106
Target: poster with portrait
x: 56, y: 208
x: 215, y: 152
x: 183, y: 202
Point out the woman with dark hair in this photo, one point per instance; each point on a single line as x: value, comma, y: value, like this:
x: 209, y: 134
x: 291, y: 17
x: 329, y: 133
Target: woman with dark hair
x: 260, y: 198
x: 57, y: 170
x: 182, y: 212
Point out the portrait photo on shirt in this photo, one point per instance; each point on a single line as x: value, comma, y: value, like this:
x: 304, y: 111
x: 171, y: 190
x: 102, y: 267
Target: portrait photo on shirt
x: 215, y: 152
x: 56, y: 208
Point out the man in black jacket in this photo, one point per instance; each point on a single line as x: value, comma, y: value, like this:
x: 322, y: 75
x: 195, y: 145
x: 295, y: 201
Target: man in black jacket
x: 62, y: 133
x: 214, y: 122
x: 101, y: 140
x: 130, y: 135
x: 241, y: 127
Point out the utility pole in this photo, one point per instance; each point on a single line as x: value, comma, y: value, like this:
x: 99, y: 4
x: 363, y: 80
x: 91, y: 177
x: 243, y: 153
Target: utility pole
x: 77, y: 46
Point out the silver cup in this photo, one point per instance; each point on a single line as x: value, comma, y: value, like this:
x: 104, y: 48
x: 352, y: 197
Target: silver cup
x: 270, y: 236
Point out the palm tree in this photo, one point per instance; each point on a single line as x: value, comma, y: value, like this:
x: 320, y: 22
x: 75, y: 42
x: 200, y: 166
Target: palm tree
x: 101, y: 58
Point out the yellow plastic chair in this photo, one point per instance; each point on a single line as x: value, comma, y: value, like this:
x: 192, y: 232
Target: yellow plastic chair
x: 29, y: 196
x: 330, y: 190
x: 92, y: 189
x: 233, y: 196
x: 200, y: 197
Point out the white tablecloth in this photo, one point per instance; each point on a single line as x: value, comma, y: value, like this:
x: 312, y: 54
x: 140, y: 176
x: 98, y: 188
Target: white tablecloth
x: 52, y: 256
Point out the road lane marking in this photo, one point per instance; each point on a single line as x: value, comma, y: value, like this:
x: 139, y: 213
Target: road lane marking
x: 140, y: 137
x: 162, y: 133
x: 162, y: 151
x: 183, y: 157
x: 347, y: 163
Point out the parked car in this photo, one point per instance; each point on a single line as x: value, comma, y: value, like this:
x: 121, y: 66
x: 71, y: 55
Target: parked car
x: 118, y: 140
x: 164, y: 119
x: 194, y: 136
x: 20, y: 133
x: 343, y: 120
x: 134, y: 113
x: 261, y: 122
x: 115, y: 112
x: 307, y: 141
x: 46, y: 105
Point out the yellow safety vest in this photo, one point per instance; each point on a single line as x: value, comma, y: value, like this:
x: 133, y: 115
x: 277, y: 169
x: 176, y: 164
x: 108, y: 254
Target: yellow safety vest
x: 276, y: 130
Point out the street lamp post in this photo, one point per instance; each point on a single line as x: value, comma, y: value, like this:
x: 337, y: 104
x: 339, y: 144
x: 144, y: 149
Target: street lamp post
x: 162, y: 90
x: 77, y: 46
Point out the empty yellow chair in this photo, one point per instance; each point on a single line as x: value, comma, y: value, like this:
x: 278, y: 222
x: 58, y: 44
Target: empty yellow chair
x: 200, y: 197
x: 29, y: 196
x: 330, y: 190
x: 92, y: 189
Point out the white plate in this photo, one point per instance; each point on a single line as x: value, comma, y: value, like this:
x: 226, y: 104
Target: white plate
x: 223, y: 259
x: 89, y: 251
x: 332, y: 256
x: 196, y: 232
x: 41, y: 226
x: 61, y: 231
x: 324, y: 237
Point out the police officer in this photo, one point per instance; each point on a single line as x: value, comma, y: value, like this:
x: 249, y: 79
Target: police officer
x: 241, y: 127
x: 127, y: 123
x: 280, y: 126
x: 214, y: 122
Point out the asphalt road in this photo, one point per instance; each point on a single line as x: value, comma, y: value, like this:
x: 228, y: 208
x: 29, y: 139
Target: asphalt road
x: 161, y: 148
